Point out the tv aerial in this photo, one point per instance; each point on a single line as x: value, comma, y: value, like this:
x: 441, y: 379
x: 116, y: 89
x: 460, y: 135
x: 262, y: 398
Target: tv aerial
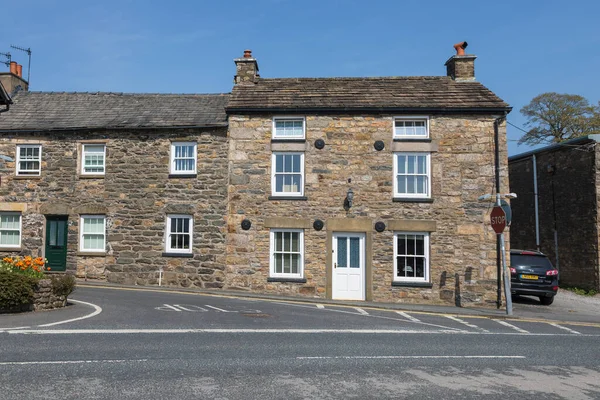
x: 28, y: 51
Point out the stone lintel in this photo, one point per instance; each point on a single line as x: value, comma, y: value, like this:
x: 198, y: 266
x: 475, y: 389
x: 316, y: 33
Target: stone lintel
x: 21, y: 207
x: 278, y: 146
x: 411, y: 225
x: 91, y: 209
x: 55, y: 209
x: 186, y: 209
x: 430, y: 147
x: 289, y: 223
x: 349, y: 224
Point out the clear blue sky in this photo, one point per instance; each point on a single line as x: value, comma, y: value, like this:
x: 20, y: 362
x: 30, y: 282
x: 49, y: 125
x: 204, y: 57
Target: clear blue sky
x: 524, y: 48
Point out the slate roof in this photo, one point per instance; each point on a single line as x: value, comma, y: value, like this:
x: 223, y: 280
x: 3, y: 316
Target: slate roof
x: 363, y: 94
x: 40, y: 111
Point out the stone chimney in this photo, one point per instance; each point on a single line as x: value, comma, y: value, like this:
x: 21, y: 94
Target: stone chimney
x: 13, y: 80
x: 461, y: 67
x: 246, y: 69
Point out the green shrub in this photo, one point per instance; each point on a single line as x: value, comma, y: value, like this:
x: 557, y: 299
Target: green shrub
x: 16, y: 291
x: 63, y: 285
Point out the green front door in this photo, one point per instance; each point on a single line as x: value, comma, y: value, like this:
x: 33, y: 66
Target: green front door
x: 56, y: 242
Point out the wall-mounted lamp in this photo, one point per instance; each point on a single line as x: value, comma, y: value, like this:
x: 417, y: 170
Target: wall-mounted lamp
x: 349, y: 199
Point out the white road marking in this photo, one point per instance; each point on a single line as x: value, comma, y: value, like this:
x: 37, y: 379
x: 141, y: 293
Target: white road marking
x: 360, y: 310
x: 321, y: 306
x: 190, y: 308
x: 516, y: 328
x: 466, y: 323
x: 68, y: 362
x: 398, y: 357
x: 218, y: 309
x: 566, y: 329
x: 263, y: 331
x: 97, y: 311
x: 167, y: 307
x: 12, y: 329
x: 215, y: 330
x: 409, y: 317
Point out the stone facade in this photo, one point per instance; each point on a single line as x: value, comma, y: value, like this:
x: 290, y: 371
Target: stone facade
x: 135, y: 194
x: 463, y: 256
x: 568, y: 189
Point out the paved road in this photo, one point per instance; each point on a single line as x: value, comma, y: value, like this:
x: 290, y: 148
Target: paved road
x: 151, y: 344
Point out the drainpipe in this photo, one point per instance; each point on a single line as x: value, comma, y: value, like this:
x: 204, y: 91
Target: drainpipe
x: 535, y: 197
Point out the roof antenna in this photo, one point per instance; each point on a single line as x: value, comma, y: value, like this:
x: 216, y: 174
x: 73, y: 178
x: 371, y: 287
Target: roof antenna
x: 28, y: 51
x: 8, y: 59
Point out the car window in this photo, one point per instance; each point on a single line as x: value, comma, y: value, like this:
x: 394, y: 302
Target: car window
x: 530, y: 261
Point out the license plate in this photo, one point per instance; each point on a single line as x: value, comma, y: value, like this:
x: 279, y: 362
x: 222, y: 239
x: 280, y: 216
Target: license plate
x: 532, y: 277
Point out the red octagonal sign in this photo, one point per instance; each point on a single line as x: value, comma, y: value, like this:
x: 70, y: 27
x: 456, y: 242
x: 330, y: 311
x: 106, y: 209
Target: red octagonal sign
x: 498, y: 218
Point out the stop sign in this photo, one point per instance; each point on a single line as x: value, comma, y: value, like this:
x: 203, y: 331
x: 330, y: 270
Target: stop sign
x: 498, y: 218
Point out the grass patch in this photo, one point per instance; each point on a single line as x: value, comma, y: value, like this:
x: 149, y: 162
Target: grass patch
x: 580, y: 291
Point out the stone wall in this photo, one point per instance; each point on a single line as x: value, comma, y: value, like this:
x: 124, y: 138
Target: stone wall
x: 44, y: 297
x: 135, y: 194
x: 463, y: 255
x: 568, y: 203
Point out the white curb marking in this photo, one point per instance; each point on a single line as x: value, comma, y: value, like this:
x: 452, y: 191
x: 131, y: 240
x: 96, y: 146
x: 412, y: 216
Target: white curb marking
x: 466, y: 323
x: 408, y: 317
x: 516, y: 328
x: 97, y: 311
x: 321, y: 306
x: 360, y: 310
x: 566, y: 329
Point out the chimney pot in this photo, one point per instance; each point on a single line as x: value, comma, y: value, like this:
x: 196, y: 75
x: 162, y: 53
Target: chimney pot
x: 20, y: 70
x: 247, y: 53
x: 13, y: 67
x: 460, y: 48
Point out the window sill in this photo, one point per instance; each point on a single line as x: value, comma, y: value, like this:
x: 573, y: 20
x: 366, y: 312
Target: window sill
x: 23, y: 177
x: 428, y: 285
x: 421, y: 140
x: 91, y: 253
x: 301, y: 198
x: 291, y: 140
x: 10, y: 249
x: 91, y: 176
x: 183, y: 176
x: 180, y: 255
x: 288, y: 280
x: 412, y: 200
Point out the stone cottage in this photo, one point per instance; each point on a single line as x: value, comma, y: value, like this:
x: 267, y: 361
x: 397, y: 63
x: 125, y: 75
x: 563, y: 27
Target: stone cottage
x: 340, y: 188
x: 363, y: 188
x: 557, y: 208
x: 117, y: 186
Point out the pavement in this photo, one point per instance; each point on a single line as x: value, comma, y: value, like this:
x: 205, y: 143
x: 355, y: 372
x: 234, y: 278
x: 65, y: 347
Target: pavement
x: 567, y: 306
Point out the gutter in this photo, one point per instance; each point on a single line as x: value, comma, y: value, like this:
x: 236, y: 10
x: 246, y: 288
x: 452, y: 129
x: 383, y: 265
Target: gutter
x: 114, y: 128
x: 595, y: 137
x: 318, y: 110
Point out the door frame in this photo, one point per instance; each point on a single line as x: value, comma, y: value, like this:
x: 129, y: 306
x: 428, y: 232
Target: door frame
x: 350, y: 225
x: 362, y: 236
x: 64, y: 217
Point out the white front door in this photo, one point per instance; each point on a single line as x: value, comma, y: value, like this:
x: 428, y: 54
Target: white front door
x: 348, y: 276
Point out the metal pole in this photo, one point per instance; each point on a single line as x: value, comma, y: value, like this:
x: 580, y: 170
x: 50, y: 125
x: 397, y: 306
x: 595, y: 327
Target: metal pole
x: 498, y: 240
x: 506, y: 278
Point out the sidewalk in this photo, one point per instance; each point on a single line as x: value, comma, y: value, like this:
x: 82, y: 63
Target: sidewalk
x: 522, y: 308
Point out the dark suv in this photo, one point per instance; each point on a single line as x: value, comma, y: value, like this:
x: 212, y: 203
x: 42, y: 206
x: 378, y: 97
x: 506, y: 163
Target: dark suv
x: 532, y: 274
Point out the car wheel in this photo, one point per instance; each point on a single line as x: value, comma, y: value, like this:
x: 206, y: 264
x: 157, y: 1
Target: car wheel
x: 547, y: 300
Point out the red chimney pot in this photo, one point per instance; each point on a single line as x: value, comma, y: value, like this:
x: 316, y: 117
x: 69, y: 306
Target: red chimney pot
x: 247, y: 53
x: 13, y: 67
x: 20, y: 70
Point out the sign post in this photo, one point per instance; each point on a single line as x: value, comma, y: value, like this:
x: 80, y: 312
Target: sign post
x: 498, y: 220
